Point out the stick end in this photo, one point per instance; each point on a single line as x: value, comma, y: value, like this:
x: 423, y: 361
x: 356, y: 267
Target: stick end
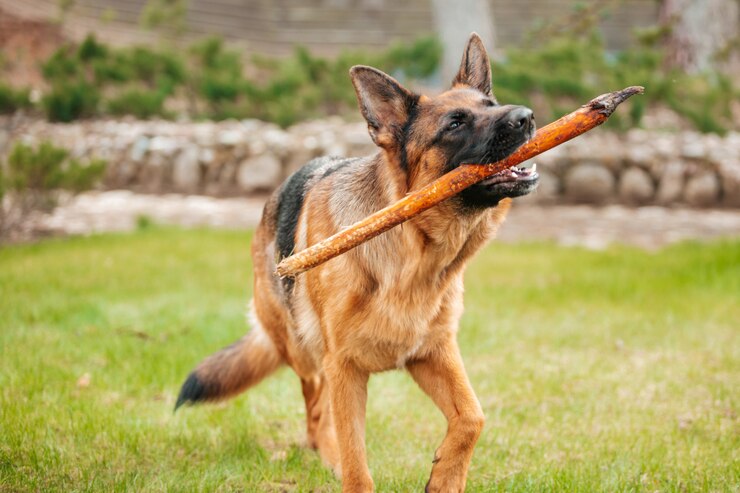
x: 607, y: 103
x: 282, y: 271
x: 631, y: 91
x: 286, y: 269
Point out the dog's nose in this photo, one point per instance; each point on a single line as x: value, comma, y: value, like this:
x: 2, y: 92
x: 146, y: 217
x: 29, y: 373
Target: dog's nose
x: 520, y: 117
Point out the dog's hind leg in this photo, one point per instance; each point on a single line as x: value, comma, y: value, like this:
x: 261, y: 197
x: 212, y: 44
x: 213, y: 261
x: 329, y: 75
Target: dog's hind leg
x: 442, y: 376
x: 312, y: 395
x: 319, y: 423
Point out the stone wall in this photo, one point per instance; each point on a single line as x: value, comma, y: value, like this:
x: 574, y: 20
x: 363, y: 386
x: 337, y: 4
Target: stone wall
x: 251, y: 157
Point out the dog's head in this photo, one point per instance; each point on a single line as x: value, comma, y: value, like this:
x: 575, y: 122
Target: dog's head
x: 425, y: 137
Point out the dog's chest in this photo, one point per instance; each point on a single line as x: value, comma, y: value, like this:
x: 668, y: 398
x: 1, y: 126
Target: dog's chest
x: 394, y: 311
x: 397, y: 329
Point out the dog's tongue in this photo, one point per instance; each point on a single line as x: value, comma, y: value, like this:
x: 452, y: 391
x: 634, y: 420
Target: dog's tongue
x: 510, y: 174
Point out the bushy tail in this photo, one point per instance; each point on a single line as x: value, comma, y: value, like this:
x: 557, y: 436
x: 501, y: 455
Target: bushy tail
x: 232, y: 370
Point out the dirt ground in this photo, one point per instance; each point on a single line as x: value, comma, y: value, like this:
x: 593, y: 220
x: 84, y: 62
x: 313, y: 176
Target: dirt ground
x: 591, y: 227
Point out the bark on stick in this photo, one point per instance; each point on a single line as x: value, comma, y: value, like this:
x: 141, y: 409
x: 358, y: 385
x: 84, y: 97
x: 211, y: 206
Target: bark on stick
x: 588, y: 116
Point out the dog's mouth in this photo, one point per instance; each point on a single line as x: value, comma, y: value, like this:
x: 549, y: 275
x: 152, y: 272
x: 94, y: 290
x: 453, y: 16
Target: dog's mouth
x: 510, y: 132
x: 511, y: 182
x: 512, y: 175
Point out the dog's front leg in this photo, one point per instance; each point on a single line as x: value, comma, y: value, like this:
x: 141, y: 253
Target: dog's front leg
x: 442, y: 376
x: 348, y: 394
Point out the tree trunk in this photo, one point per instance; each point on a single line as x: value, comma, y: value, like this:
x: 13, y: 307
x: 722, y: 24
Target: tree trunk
x: 455, y: 21
x: 699, y: 32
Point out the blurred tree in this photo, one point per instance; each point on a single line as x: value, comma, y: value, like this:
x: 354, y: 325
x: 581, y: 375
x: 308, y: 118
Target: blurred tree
x: 700, y: 33
x: 455, y: 21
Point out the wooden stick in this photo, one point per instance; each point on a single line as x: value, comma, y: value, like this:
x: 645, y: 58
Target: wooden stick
x: 572, y: 125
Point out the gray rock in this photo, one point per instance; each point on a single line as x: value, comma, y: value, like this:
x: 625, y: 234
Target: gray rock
x: 664, y: 145
x: 702, y: 189
x: 642, y: 155
x: 246, y: 156
x: 205, y: 134
x: 153, y: 173
x: 123, y: 174
x: 670, y: 187
x: 589, y: 182
x: 607, y: 149
x: 556, y: 160
x: 257, y: 147
x: 164, y: 145
x: 240, y: 151
x: 278, y: 141
x: 227, y: 177
x: 139, y: 148
x: 693, y: 146
x: 4, y: 138
x: 716, y: 148
x: 259, y: 173
x: 230, y: 137
x: 186, y: 173
x: 636, y: 186
x: 729, y: 172
x: 206, y: 156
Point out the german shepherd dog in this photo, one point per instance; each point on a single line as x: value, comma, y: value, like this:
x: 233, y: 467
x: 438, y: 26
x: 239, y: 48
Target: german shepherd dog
x: 394, y: 301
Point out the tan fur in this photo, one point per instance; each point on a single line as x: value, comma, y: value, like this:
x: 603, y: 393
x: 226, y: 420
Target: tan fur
x: 372, y: 310
x: 393, y: 302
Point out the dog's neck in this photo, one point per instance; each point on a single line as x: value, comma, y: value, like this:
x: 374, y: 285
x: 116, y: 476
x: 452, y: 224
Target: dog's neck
x: 445, y: 231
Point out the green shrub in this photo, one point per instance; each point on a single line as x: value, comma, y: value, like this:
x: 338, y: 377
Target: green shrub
x: 62, y: 65
x: 141, y: 104
x: 91, y: 49
x: 570, y: 69
x: 144, y: 222
x: 704, y: 100
x: 36, y: 170
x: 79, y: 176
x: 218, y: 77
x: 83, y: 77
x: 417, y: 60
x: 563, y: 66
x: 557, y: 72
x: 70, y: 101
x: 49, y: 168
x: 304, y: 86
x: 113, y: 69
x: 12, y: 100
x: 154, y: 68
x: 33, y: 177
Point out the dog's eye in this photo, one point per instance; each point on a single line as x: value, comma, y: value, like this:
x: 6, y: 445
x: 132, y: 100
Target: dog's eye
x: 454, y: 125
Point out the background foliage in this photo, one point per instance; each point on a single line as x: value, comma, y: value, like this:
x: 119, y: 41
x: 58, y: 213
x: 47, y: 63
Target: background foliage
x: 556, y: 70
x: 34, y: 179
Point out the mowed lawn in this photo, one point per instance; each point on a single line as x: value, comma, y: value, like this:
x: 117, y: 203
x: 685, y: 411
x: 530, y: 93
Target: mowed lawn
x: 597, y: 371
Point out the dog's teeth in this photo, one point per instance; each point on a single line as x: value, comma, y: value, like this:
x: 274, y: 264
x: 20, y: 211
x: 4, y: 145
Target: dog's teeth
x: 533, y: 168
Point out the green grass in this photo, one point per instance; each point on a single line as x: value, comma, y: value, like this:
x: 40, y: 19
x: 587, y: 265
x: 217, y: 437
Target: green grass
x: 598, y: 371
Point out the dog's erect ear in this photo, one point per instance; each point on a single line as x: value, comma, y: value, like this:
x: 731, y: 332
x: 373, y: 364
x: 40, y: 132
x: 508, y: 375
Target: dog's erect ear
x: 384, y: 103
x: 475, y: 68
